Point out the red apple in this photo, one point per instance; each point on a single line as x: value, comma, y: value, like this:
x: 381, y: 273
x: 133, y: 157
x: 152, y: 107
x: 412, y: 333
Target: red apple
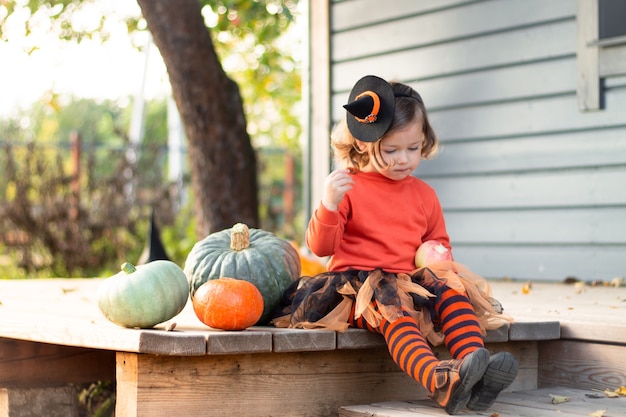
x: 430, y: 252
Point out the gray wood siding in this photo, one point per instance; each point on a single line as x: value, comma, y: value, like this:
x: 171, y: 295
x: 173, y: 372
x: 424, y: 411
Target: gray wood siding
x: 532, y: 188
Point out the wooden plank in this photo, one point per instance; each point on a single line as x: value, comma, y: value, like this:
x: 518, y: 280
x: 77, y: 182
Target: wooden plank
x: 586, y: 313
x: 429, y: 408
x: 493, y: 85
x: 82, y: 332
x: 393, y: 408
x: 538, y: 262
x: 317, y: 163
x: 527, y: 226
x: 575, y: 149
x: 583, y: 187
x: 615, y: 82
x: 247, y: 341
x: 65, y: 312
x: 533, y: 116
x: 359, y: 339
x: 29, y: 364
x: 531, y: 403
x: 581, y: 402
x: 548, y: 330
x: 266, y: 384
x: 588, y: 90
x: 611, y: 61
x: 445, y: 25
x: 301, y: 340
x: 607, y: 332
x: 127, y: 386
x: 532, y: 44
x: 582, y: 365
x: 366, y: 12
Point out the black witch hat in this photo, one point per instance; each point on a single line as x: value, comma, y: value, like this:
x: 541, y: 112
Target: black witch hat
x: 370, y: 108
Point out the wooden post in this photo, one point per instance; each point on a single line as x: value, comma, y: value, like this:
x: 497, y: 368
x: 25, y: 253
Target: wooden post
x: 288, y: 197
x: 76, y: 145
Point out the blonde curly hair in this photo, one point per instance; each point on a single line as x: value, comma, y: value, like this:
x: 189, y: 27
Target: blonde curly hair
x: 354, y: 155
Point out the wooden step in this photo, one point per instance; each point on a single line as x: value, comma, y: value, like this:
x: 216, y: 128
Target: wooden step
x: 531, y: 403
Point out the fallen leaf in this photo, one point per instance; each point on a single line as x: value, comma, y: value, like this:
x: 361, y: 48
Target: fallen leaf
x: 599, y: 413
x: 494, y: 414
x: 621, y: 390
x: 558, y: 399
x: 610, y: 394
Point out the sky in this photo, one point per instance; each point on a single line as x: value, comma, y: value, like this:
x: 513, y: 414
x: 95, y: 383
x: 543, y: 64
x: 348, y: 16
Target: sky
x: 111, y: 70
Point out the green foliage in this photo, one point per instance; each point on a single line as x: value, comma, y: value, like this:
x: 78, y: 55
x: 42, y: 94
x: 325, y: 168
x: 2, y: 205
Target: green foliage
x: 97, y: 399
x: 109, y: 225
x: 258, y: 50
x: 179, y: 237
x: 255, y: 40
x: 250, y: 38
x: 61, y: 15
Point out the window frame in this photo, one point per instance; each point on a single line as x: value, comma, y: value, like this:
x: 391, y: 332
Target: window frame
x: 596, y: 58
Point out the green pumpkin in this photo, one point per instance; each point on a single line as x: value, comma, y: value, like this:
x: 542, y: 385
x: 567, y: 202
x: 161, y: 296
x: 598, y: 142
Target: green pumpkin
x: 144, y: 296
x: 253, y: 255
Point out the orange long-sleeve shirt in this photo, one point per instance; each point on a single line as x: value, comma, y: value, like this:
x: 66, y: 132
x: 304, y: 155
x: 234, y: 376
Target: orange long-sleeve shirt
x: 380, y: 223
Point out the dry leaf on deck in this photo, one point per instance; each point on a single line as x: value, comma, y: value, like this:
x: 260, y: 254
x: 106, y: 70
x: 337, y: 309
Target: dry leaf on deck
x: 599, y: 413
x: 621, y: 391
x: 610, y: 394
x: 494, y: 414
x: 558, y: 399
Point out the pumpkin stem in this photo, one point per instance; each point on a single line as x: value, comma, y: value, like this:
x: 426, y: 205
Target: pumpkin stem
x: 239, y: 237
x: 128, y: 267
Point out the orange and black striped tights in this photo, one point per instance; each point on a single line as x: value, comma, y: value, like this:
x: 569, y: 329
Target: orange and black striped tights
x: 410, y: 350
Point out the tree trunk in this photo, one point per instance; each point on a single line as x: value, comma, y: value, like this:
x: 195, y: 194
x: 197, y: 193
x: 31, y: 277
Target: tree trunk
x: 222, y: 160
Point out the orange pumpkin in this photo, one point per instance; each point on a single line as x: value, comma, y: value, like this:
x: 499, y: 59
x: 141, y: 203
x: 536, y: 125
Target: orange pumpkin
x: 228, y: 304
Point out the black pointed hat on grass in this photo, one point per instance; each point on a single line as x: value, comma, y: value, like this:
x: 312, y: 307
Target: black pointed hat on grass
x: 370, y: 108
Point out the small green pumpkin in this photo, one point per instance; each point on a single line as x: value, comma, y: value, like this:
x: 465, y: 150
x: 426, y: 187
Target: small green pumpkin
x: 144, y: 296
x: 253, y: 255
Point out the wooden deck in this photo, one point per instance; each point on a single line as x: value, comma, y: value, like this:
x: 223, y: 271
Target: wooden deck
x: 52, y: 335
x: 531, y: 403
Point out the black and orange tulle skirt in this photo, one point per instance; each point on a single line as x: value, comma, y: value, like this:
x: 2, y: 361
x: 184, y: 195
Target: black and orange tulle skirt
x: 326, y: 300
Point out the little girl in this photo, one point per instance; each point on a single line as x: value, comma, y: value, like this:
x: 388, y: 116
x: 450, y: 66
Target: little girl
x: 373, y: 217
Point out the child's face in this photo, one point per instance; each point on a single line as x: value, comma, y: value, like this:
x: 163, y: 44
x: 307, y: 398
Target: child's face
x: 401, y: 151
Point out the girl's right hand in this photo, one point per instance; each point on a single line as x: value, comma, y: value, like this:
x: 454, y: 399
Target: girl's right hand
x: 335, y: 187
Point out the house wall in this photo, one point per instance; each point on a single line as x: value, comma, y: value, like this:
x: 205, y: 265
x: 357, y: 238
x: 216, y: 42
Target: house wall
x: 531, y: 186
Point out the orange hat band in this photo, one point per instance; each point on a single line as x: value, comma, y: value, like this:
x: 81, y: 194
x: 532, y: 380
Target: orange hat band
x: 371, y: 118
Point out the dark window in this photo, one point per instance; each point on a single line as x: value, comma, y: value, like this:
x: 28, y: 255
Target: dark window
x: 612, y: 18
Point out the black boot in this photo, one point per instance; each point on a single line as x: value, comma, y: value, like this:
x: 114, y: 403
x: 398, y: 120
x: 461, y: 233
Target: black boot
x: 500, y: 373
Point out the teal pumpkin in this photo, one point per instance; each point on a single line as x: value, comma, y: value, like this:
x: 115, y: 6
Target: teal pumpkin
x: 144, y: 296
x: 253, y: 255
